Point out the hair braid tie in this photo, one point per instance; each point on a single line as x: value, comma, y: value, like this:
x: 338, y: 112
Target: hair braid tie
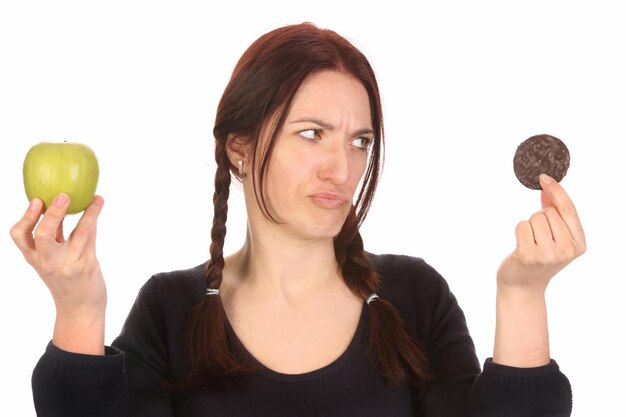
x: 371, y: 298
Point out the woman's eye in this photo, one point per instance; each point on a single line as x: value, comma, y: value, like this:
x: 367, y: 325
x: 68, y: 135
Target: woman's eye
x: 362, y: 143
x: 310, y: 133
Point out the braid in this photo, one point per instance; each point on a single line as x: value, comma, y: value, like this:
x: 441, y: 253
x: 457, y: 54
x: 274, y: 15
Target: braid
x: 212, y: 359
x: 355, y: 265
x: 220, y: 214
x: 396, y: 355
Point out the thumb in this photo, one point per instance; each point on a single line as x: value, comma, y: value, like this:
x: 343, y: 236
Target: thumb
x: 545, y: 200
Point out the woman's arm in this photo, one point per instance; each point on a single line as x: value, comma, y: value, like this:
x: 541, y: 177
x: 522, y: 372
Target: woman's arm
x: 546, y: 243
x: 70, y: 270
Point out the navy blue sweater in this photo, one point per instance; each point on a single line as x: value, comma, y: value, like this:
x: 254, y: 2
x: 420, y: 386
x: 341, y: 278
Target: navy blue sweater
x: 127, y: 380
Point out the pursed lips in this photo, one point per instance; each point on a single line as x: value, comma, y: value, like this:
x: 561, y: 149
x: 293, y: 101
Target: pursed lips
x: 329, y: 200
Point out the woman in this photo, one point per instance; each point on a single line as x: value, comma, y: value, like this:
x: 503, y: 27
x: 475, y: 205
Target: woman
x: 301, y: 321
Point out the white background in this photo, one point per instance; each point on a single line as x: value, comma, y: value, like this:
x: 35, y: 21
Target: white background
x: 462, y: 85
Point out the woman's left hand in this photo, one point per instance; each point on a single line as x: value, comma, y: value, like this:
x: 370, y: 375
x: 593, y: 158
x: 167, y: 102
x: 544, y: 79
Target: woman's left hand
x: 547, y: 242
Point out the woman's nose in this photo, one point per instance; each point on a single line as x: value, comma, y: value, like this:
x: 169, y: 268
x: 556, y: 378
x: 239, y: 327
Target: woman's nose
x: 335, y: 166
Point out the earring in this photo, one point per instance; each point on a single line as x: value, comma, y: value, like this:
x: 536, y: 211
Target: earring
x: 240, y: 167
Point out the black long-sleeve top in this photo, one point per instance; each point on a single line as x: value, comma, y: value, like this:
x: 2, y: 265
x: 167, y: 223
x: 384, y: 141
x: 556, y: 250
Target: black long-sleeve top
x: 127, y: 380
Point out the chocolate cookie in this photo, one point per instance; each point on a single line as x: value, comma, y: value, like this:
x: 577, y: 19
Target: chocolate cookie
x: 540, y: 154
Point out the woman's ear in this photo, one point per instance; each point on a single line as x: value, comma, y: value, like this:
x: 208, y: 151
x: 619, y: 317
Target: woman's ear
x: 237, y: 149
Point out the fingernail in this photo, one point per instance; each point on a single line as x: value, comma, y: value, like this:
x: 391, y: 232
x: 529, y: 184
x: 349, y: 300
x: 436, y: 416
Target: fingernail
x: 61, y: 199
x: 98, y: 200
x: 35, y: 205
x: 546, y: 179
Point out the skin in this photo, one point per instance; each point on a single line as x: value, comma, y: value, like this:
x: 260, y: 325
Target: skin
x: 273, y: 284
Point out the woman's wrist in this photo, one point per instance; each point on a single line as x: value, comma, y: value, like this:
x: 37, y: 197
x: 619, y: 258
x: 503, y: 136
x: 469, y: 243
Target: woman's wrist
x: 521, y: 338
x: 80, y: 332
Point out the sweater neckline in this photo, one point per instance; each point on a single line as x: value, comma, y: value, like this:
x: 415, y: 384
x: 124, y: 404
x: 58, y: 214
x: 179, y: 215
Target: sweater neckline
x: 306, y: 376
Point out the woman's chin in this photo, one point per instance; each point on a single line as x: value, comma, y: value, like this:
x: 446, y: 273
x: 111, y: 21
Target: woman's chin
x: 324, y: 232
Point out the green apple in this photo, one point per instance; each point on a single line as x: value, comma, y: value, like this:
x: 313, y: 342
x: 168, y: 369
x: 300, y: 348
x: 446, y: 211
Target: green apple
x: 51, y: 168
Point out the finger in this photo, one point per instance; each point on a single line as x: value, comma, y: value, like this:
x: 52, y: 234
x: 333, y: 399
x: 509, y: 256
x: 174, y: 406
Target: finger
x: 541, y: 229
x: 545, y: 200
x: 45, y: 232
x: 561, y: 201
x: 22, y: 231
x: 83, y: 237
x: 58, y: 236
x: 524, y: 235
x: 560, y: 232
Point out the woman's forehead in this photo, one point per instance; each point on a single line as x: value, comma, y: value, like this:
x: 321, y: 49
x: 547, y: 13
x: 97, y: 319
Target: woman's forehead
x: 329, y: 95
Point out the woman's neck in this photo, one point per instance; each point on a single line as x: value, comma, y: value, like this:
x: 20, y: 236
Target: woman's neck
x: 279, y: 267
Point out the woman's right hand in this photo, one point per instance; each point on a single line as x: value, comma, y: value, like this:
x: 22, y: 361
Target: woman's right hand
x: 70, y: 270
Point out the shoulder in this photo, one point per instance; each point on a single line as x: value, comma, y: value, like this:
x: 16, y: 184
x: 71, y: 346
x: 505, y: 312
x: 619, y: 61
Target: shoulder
x: 176, y: 288
x: 413, y: 286
x: 157, y: 323
x: 163, y: 304
x: 180, y: 278
x: 402, y: 273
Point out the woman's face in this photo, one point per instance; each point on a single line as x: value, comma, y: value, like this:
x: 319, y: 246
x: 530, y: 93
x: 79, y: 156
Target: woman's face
x: 320, y: 155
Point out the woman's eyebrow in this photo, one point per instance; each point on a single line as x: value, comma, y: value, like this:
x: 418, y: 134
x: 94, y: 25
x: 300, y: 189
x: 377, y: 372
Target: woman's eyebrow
x: 328, y: 126
x: 319, y: 122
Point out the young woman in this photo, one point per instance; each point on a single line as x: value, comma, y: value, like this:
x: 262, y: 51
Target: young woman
x: 301, y: 321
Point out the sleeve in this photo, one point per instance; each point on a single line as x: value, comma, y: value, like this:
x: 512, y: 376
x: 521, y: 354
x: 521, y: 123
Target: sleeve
x: 450, y: 349
x: 145, y: 342
x: 520, y: 392
x: 460, y: 388
x: 126, y: 382
x: 68, y: 384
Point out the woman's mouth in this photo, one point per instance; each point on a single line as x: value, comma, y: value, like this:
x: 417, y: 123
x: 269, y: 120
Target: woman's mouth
x: 329, y: 200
